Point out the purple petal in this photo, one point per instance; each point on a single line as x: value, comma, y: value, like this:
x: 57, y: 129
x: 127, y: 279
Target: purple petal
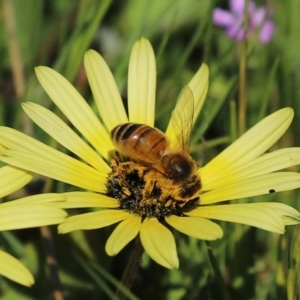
x: 251, y: 7
x: 223, y: 17
x: 236, y: 32
x: 237, y: 7
x: 266, y: 32
x: 257, y: 17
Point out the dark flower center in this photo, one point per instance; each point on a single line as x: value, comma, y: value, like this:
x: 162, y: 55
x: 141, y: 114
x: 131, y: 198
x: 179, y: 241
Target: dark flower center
x: 148, y: 193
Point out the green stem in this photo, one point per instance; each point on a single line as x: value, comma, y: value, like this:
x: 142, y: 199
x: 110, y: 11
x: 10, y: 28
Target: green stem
x: 218, y: 275
x: 131, y: 268
x: 243, y: 88
x: 52, y: 263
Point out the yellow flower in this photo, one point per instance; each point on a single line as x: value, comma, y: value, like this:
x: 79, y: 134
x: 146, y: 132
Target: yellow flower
x: 32, y: 211
x: 242, y: 170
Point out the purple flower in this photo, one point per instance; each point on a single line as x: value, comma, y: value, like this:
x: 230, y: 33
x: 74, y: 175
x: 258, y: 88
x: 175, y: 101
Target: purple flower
x: 259, y: 19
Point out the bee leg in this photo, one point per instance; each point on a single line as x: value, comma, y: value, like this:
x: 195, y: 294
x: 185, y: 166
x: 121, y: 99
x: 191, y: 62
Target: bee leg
x: 114, y: 163
x: 118, y: 156
x: 148, y: 188
x: 141, y: 172
x: 183, y: 203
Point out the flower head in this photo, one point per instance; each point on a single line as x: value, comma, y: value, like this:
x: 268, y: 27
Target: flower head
x: 32, y: 211
x: 234, y: 21
x: 137, y: 193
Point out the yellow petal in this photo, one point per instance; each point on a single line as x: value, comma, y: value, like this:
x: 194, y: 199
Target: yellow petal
x: 199, y: 228
x: 199, y: 87
x: 253, y: 214
x: 75, y: 108
x: 52, y: 199
x: 105, y: 90
x: 30, y: 154
x: 93, y: 220
x: 68, y: 200
x: 289, y: 215
x: 12, y: 179
x: 267, y: 163
x: 123, y: 234
x: 259, y: 185
x: 63, y: 134
x: 29, y: 215
x: 251, y: 144
x: 87, y: 199
x: 142, y: 83
x: 159, y: 243
x: 13, y: 269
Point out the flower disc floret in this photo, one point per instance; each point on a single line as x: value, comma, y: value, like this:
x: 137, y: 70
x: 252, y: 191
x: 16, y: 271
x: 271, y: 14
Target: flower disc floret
x: 143, y: 191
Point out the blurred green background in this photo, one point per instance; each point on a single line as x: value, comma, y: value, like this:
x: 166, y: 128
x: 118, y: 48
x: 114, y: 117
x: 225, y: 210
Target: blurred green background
x: 254, y: 264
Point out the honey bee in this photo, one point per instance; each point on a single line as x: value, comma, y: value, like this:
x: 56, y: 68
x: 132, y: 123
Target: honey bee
x: 150, y: 147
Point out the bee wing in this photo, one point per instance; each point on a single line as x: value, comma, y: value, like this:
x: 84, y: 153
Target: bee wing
x: 150, y: 154
x: 181, y: 123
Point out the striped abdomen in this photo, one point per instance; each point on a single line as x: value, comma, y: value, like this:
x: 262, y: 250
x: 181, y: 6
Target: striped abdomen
x: 140, y: 142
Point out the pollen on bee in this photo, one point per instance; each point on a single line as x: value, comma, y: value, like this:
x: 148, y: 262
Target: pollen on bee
x: 144, y: 191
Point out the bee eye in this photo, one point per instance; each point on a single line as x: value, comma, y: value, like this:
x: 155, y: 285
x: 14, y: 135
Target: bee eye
x: 178, y: 167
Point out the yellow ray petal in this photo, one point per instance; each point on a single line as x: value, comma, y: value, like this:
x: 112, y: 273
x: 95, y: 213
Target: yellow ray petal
x: 63, y: 134
x: 142, y: 83
x: 30, y: 215
x: 52, y: 199
x: 105, y: 90
x: 123, y: 234
x: 93, y: 220
x: 267, y: 163
x: 199, y: 228
x: 259, y: 185
x: 86, y: 199
x: 253, y: 214
x: 159, y: 243
x: 199, y: 87
x: 75, y: 108
x: 30, y: 154
x: 13, y: 269
x: 67, y: 170
x: 12, y: 179
x: 289, y: 215
x: 251, y: 144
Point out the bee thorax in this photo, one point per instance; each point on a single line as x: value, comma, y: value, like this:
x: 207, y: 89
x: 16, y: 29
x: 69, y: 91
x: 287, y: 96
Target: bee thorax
x: 177, y: 166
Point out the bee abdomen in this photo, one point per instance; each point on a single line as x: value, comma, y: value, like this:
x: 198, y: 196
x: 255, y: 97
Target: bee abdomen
x: 139, y: 137
x: 123, y: 131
